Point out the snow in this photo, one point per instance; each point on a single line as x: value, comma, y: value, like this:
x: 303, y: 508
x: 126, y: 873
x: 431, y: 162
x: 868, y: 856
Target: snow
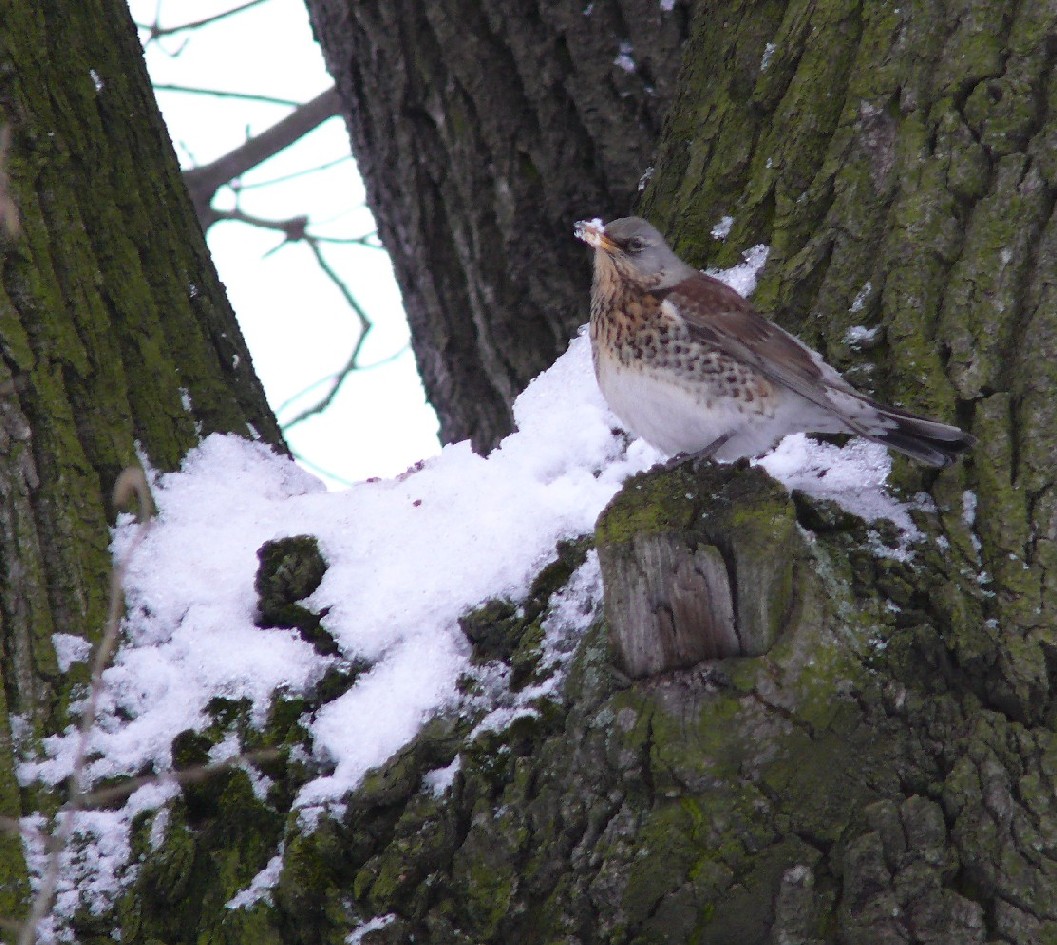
x: 93, y: 867
x: 439, y: 780
x: 625, y: 59
x: 70, y: 649
x: 407, y: 557
x: 860, y: 298
x: 722, y: 229
x: 853, y: 476
x: 859, y: 335
x: 573, y: 609
x: 742, y: 277
x: 379, y: 922
x: 260, y: 886
x: 969, y: 503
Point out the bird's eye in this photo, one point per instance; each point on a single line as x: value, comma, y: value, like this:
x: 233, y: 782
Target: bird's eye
x: 636, y: 244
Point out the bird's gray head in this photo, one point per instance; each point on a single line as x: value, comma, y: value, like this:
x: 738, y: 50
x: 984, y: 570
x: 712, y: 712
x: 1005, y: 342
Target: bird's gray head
x: 637, y: 251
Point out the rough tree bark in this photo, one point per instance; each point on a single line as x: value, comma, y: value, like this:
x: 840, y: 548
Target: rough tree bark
x: 482, y: 132
x: 886, y: 773
x: 115, y: 337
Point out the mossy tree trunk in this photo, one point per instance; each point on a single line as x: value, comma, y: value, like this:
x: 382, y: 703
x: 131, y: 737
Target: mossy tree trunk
x: 887, y: 772
x: 115, y: 335
x: 899, y: 161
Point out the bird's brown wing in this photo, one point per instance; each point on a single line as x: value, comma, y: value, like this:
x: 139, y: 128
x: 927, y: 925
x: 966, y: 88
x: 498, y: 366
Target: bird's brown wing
x: 717, y: 316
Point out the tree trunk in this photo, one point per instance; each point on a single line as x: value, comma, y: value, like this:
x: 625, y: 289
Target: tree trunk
x: 886, y: 772
x: 117, y: 338
x: 483, y: 131
x: 899, y: 160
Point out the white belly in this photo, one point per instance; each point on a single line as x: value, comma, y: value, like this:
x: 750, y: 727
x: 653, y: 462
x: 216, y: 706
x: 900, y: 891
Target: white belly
x: 670, y: 416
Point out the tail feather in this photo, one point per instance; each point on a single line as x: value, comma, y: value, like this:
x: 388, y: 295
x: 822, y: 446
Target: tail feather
x: 927, y: 441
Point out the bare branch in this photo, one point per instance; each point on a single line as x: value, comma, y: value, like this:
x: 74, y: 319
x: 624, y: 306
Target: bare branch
x: 353, y: 362
x: 361, y: 315
x: 339, y: 378
x: 368, y: 241
x: 315, y: 467
x: 203, y: 182
x: 283, y: 178
x: 192, y: 775
x: 294, y: 229
x: 131, y: 484
x: 9, y: 224
x: 217, y: 93
x: 335, y: 381
x: 157, y: 31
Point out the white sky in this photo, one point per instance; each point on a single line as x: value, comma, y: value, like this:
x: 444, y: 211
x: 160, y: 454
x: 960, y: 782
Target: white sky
x: 296, y: 324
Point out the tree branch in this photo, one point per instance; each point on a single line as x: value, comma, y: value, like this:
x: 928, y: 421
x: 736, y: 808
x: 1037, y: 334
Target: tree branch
x: 203, y: 182
x: 295, y: 230
x: 218, y: 93
x: 294, y: 175
x: 8, y: 210
x: 157, y: 31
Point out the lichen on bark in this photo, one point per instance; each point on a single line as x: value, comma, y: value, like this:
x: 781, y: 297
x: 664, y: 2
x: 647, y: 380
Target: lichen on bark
x: 885, y: 772
x: 698, y: 804
x: 115, y: 336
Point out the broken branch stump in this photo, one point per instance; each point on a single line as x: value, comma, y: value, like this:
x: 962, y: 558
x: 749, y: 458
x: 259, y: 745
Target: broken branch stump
x: 699, y: 563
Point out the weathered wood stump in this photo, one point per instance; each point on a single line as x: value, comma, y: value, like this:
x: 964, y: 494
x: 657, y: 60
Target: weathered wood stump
x: 699, y: 563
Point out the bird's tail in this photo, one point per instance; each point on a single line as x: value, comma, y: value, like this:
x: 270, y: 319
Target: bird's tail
x: 927, y: 441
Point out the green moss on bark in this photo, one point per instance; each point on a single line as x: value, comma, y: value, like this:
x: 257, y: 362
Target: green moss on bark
x: 112, y: 319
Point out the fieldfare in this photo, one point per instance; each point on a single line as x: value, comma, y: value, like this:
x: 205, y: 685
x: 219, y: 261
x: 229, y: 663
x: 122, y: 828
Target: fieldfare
x: 691, y: 367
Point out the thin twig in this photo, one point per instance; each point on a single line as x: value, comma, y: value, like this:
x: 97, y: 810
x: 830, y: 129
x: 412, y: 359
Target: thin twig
x: 9, y: 222
x: 367, y: 241
x: 131, y: 484
x: 336, y: 380
x: 156, y: 30
x: 219, y: 93
x: 360, y: 368
x: 192, y: 775
x: 203, y: 182
x: 295, y: 230
x: 283, y: 178
x: 352, y: 364
x: 361, y: 315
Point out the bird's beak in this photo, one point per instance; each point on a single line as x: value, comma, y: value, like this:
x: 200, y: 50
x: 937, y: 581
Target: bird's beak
x: 593, y: 233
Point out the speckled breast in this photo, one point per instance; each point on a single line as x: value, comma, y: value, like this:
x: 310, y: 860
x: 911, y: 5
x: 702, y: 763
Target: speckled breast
x: 634, y: 330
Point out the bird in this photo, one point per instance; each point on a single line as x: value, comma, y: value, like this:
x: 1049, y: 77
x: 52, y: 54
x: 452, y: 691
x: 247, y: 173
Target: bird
x: 690, y: 366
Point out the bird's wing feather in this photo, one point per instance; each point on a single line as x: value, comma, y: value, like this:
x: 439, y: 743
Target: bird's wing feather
x: 717, y: 316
